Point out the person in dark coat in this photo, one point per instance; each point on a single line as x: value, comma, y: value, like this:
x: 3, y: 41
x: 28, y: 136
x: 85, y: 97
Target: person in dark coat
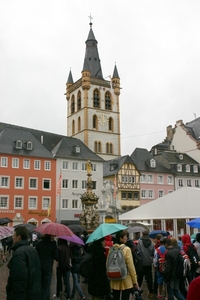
x: 24, y: 280
x: 76, y: 252
x: 98, y: 283
x: 47, y: 251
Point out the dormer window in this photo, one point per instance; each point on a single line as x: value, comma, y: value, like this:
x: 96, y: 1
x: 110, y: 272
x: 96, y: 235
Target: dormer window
x: 29, y: 145
x: 180, y: 156
x: 113, y: 166
x: 179, y: 168
x: 195, y: 169
x: 187, y: 168
x: 152, y: 163
x: 18, y: 144
x: 77, y: 149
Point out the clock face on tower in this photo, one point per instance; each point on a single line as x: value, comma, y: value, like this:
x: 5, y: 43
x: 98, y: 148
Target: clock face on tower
x: 103, y: 120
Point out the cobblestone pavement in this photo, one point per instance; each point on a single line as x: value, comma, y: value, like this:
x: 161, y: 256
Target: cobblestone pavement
x: 4, y: 275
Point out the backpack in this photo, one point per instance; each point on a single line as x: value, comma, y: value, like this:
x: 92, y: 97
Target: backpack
x: 193, y: 256
x: 116, y: 266
x: 86, y: 265
x: 161, y: 261
x: 137, y: 261
x: 179, y: 266
x: 186, y: 264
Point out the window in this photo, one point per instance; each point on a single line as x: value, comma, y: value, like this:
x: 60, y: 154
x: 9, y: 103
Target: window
x: 142, y: 178
x: 187, y: 168
x: 29, y: 145
x: 79, y: 124
x: 110, y: 124
x: 180, y: 182
x: 179, y: 168
x: 18, y: 202
x: 15, y: 163
x: 96, y: 99
x: 169, y: 179
x: 46, y: 184
x: 160, y: 179
x: 143, y: 193
x: 32, y: 203
x: 123, y: 195
x: 126, y: 179
x: 195, y: 169
x: 3, y: 202
x: 152, y: 163
x: 72, y: 105
x: 47, y: 165
x: 160, y: 193
x: 37, y: 164
x: 74, y: 184
x: 150, y: 194
x: 74, y: 166
x: 26, y: 164
x: 65, y: 183
x: 123, y: 179
x: 4, y: 181
x: 18, y: 144
x: 94, y: 122
x: 65, y: 165
x: 107, y: 101
x: 109, y: 148
x: 74, y: 203
x: 19, y: 182
x: 32, y: 183
x: 83, y: 185
x: 65, y: 203
x: 94, y: 185
x: 73, y: 127
x: 45, y: 203
x: 189, y: 182
x: 4, y: 162
x: 79, y: 101
x: 83, y: 166
x: 130, y: 195
x: 196, y: 183
x: 94, y: 167
x: 150, y: 178
x: 135, y: 196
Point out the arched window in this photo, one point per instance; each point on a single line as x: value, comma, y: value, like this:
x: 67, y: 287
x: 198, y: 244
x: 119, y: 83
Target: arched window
x: 79, y: 124
x: 109, y: 148
x: 95, y: 146
x: 72, y: 105
x: 96, y: 98
x: 79, y: 101
x: 95, y: 122
x: 99, y: 147
x: 110, y: 124
x: 73, y: 127
x: 107, y: 101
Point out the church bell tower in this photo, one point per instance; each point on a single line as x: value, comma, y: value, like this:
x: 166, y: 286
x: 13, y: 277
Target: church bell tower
x: 93, y: 111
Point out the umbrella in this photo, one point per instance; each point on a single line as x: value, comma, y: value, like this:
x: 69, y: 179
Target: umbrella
x: 104, y: 230
x: 5, y: 221
x: 154, y: 233
x: 193, y: 236
x: 77, y: 228
x: 29, y: 226
x: 74, y: 239
x: 55, y: 229
x: 195, y: 223
x: 136, y: 229
x: 6, y: 231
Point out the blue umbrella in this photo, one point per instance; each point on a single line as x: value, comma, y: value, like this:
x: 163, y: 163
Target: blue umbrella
x: 154, y: 233
x: 104, y: 230
x: 195, y: 223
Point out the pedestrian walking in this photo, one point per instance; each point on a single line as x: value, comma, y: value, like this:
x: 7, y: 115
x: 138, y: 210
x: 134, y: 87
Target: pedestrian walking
x: 24, y: 280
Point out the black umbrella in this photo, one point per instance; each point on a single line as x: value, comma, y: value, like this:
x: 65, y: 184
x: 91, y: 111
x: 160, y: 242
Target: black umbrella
x: 75, y: 228
x: 29, y: 226
x: 5, y: 220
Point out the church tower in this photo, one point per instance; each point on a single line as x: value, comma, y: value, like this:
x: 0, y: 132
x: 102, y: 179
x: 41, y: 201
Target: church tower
x: 93, y: 111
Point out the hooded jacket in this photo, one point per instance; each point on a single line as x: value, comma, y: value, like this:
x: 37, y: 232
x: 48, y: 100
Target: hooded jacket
x: 186, y: 242
x: 146, y: 249
x: 24, y: 280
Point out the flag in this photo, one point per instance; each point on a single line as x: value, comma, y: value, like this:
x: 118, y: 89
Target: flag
x: 115, y: 187
x: 58, y: 188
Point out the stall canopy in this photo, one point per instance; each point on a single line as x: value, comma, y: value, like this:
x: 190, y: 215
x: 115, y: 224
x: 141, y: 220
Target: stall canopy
x: 181, y: 204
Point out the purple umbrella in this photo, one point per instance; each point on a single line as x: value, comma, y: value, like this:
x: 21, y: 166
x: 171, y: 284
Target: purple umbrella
x: 74, y: 239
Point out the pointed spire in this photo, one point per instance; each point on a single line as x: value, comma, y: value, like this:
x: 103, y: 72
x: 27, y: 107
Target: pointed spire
x: 115, y: 72
x: 70, y: 78
x: 92, y: 60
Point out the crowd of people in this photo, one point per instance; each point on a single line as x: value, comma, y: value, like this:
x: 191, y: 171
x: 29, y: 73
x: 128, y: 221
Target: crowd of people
x: 164, y: 262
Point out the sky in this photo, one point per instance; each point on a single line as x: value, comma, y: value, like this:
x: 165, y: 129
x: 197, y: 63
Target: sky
x: 154, y: 43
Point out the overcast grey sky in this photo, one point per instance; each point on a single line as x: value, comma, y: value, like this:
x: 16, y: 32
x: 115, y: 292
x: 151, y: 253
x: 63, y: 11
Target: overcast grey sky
x: 155, y: 44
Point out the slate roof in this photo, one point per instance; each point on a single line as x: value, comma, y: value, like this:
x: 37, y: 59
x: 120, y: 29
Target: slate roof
x: 142, y: 157
x: 59, y: 145
x: 118, y: 162
x: 194, y: 128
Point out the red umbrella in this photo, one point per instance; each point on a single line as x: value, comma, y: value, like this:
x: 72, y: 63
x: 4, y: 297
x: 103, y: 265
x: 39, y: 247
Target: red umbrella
x: 55, y: 229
